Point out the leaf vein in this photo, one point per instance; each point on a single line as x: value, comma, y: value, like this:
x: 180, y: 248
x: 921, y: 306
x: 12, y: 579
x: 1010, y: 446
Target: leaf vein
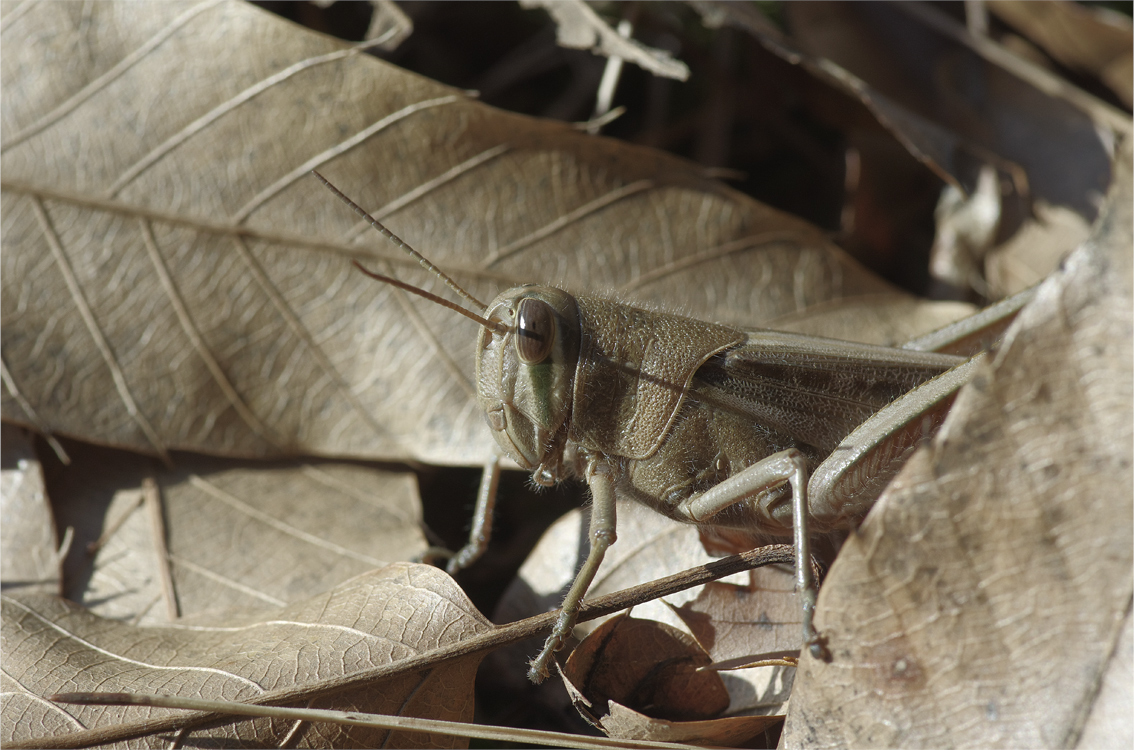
x: 30, y: 696
x: 303, y: 334
x: 98, y: 84
x: 119, y: 657
x: 707, y: 256
x: 228, y: 229
x: 198, y: 341
x: 427, y: 187
x: 30, y: 412
x: 217, y: 112
x: 103, y: 346
x: 19, y: 11
x: 181, y: 562
x: 234, y: 502
x: 325, y: 156
x: 579, y: 213
x: 459, y: 375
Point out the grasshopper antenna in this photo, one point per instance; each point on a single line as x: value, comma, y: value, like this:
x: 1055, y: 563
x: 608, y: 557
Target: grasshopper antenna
x: 490, y: 325
x: 413, y: 253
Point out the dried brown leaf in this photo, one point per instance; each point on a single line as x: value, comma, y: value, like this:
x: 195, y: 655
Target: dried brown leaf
x: 930, y: 72
x: 237, y: 535
x: 886, y: 320
x: 983, y: 601
x: 1096, y: 40
x: 730, y: 731
x: 52, y: 646
x: 28, y: 548
x: 639, y: 679
x: 738, y: 625
x: 188, y: 286
x: 1035, y: 250
x: 647, y: 666
x: 732, y: 621
x: 1109, y: 725
x: 649, y: 546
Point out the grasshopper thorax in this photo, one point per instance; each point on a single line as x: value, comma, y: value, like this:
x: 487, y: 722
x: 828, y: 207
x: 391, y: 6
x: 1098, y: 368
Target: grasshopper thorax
x: 525, y: 371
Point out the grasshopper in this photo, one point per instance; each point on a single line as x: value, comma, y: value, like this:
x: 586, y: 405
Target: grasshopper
x: 778, y: 434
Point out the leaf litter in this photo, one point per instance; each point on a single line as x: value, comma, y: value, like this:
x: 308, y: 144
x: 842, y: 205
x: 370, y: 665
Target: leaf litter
x: 275, y: 225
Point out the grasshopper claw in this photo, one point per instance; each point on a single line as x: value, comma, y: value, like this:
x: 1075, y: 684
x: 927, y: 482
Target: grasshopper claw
x: 538, y: 667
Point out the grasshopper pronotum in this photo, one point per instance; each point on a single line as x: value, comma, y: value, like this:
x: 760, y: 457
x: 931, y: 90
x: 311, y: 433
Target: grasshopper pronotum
x: 779, y: 434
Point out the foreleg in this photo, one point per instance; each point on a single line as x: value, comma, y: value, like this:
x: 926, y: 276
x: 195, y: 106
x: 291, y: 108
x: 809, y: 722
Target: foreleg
x: 482, y: 520
x: 600, y: 477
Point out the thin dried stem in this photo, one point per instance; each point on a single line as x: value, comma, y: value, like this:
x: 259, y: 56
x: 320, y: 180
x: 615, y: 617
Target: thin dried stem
x: 540, y: 625
x: 356, y: 719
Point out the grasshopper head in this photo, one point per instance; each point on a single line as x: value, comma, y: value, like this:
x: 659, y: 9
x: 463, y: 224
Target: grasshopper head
x: 524, y: 375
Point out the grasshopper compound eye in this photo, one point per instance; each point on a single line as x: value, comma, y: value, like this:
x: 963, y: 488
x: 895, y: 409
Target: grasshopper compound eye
x: 535, y: 332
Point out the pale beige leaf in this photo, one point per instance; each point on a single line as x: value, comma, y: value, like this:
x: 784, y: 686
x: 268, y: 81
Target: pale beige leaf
x: 236, y: 535
x: 29, y: 559
x: 640, y: 679
x: 1095, y: 40
x: 648, y: 666
x: 733, y: 622
x: 51, y: 646
x: 983, y: 601
x: 649, y: 546
x: 1035, y: 250
x: 729, y: 731
x: 1109, y: 724
x: 173, y: 279
x: 887, y: 320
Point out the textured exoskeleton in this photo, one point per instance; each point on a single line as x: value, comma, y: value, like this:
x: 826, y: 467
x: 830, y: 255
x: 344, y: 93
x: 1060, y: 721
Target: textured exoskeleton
x: 701, y: 422
x: 772, y: 433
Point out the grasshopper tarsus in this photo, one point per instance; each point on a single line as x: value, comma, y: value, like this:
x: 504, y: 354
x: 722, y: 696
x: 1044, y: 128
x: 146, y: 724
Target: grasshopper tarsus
x: 539, y: 667
x: 818, y: 649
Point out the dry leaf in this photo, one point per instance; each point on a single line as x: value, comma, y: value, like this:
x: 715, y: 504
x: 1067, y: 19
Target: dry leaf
x: 649, y: 546
x: 639, y: 679
x: 984, y: 598
x: 389, y: 25
x: 730, y: 731
x: 731, y: 621
x: 1109, y: 725
x: 188, y: 286
x: 229, y: 535
x: 52, y: 646
x: 886, y: 320
x: 745, y: 623
x: 984, y: 108
x: 1093, y: 39
x: 957, y: 104
x: 649, y: 667
x: 28, y: 550
x: 1035, y: 250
